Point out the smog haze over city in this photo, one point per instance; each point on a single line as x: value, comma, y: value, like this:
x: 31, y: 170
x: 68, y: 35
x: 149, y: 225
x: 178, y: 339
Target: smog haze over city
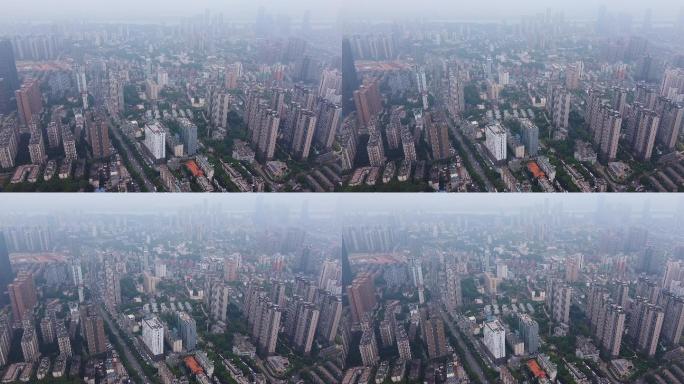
x: 341, y: 192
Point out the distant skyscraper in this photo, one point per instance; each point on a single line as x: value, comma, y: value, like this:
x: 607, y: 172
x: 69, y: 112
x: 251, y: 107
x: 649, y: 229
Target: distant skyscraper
x: 350, y: 79
x: 8, y: 68
x: 6, y: 274
x: 347, y: 275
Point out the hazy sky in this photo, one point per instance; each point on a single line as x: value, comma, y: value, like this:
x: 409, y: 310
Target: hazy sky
x: 511, y: 203
x: 511, y: 9
x: 324, y: 9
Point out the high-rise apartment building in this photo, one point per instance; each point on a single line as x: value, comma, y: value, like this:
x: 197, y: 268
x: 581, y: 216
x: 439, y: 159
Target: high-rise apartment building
x: 330, y: 317
x: 368, y: 102
x: 558, y: 298
x: 189, y: 131
x: 5, y: 340
x: 530, y: 137
x: 29, y: 345
x: 155, y: 140
x: 453, y: 298
x: 63, y: 340
x: 495, y: 338
x: 529, y: 332
x: 98, y: 135
x: 495, y: 141
x: 369, y: 349
x: 328, y: 120
x: 8, y: 66
x: 361, y: 295
x: 671, y: 123
x: 645, y: 124
x: 153, y: 335
x: 36, y: 147
x: 408, y: 145
x: 29, y: 101
x: 646, y: 325
x: 673, y: 321
x: 306, y: 321
x: 219, y: 301
x: 558, y: 106
x: 432, y: 329
x: 6, y: 274
x: 376, y: 150
x: 438, y: 137
x: 187, y: 328
x: 22, y: 292
x: 304, y: 128
x: 403, y: 344
x: 112, y: 286
x: 92, y: 326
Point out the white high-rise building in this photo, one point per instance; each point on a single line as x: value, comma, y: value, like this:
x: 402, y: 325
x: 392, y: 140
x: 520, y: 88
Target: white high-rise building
x: 496, y: 141
x: 495, y: 339
x: 153, y: 335
x: 155, y: 139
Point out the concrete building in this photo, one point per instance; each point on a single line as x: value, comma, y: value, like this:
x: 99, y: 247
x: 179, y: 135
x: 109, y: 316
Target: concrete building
x: 529, y: 332
x: 673, y: 322
x: 188, y: 330
x: 36, y: 147
x: 29, y: 345
x: 495, y: 141
x: 92, y: 326
x: 153, y: 335
x: 22, y: 292
x: 361, y: 295
x: 368, y: 348
x: 155, y: 139
x: 376, y: 150
x: 495, y: 339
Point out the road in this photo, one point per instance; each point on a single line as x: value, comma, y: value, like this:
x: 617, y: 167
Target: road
x: 131, y: 158
x: 129, y: 355
x: 470, y: 359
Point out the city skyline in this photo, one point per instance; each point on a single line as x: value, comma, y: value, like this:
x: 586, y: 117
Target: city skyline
x: 506, y: 204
